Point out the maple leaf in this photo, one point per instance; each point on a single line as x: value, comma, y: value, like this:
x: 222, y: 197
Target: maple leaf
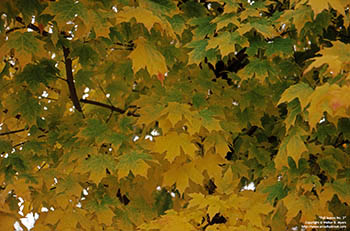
x: 95, y: 128
x: 7, y: 220
x: 199, y: 52
x: 319, y: 6
x: 292, y: 145
x: 171, y: 221
x: 144, y: 16
x: 176, y: 112
x: 226, y: 42
x: 225, y: 20
x: 27, y: 105
x: 309, y: 206
x: 66, y: 10
x: 133, y: 162
x: 97, y: 165
x: 260, y: 68
x: 211, y: 204
x: 337, y: 57
x: 43, y: 72
x: 255, y: 206
x: 174, y: 144
x: 302, y: 91
x: 181, y: 176
x: 300, y: 16
x: 145, y: 55
x: 26, y: 46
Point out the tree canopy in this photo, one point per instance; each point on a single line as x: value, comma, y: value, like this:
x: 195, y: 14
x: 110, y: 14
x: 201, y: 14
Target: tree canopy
x: 157, y: 114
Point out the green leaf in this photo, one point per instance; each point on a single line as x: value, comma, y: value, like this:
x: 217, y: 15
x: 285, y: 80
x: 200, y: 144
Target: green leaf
x: 329, y: 165
x: 34, y: 74
x: 87, y: 55
x: 276, y: 191
x: 95, y: 128
x: 5, y: 146
x: 204, y: 27
x: 24, y: 42
x: 259, y: 68
x: 83, y: 77
x: 29, y: 8
x: 163, y: 201
x: 280, y: 46
x: 66, y: 10
x: 97, y: 164
x: 27, y: 106
x: 344, y: 127
x: 198, y: 100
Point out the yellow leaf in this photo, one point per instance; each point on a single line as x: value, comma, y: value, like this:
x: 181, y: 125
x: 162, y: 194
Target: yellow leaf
x: 105, y: 216
x: 181, y: 176
x: 226, y: 42
x: 318, y: 104
x: 337, y: 57
x: 210, y: 163
x: 302, y: 91
x: 228, y: 183
x: 292, y: 145
x: 319, y: 5
x: 212, y: 204
x: 256, y: 207
x: 309, y: 205
x: 144, y: 16
x: 171, y: 221
x: 147, y: 56
x: 7, y: 221
x: 172, y: 143
x: 175, y: 111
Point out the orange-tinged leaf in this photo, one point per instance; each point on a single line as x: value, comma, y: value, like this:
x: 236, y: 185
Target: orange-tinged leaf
x: 145, y: 55
x: 161, y: 78
x: 172, y: 143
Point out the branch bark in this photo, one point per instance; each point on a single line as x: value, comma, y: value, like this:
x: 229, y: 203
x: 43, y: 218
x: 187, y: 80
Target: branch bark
x: 112, y: 108
x: 70, y: 80
x: 13, y: 132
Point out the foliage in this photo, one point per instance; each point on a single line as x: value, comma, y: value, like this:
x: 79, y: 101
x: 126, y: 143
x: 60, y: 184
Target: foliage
x: 156, y: 114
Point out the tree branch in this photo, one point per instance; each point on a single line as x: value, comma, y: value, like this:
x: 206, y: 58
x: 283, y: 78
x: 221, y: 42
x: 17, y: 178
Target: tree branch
x: 112, y: 108
x: 30, y: 25
x: 12, y: 132
x: 70, y: 80
x: 121, y: 111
